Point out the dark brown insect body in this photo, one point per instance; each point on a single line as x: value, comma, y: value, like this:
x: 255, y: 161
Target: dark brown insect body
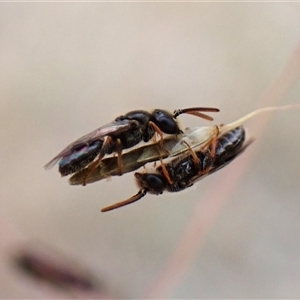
x: 184, y: 171
x: 124, y: 132
x: 80, y: 157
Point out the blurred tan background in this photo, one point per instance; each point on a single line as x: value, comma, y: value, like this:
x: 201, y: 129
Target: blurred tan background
x: 68, y: 68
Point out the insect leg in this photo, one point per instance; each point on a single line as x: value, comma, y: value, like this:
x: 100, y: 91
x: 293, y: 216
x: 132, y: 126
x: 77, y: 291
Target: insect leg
x: 161, y: 142
x: 210, y: 154
x: 193, y: 153
x: 212, y: 140
x: 213, y: 143
x: 93, y: 165
x: 165, y: 171
x: 132, y: 199
x: 119, y: 152
x: 159, y: 132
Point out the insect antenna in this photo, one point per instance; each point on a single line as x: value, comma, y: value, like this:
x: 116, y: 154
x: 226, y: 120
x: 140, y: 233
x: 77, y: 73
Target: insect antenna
x: 132, y: 199
x: 196, y: 111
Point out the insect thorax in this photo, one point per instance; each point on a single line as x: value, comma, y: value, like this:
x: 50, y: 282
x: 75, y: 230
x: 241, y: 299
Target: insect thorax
x: 181, y: 173
x: 131, y: 138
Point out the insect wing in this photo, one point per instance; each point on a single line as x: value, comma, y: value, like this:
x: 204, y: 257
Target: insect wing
x: 195, y: 137
x: 100, y: 133
x: 131, y: 161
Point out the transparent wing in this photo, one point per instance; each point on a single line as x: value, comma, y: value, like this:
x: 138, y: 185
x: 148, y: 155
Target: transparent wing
x: 98, y: 134
x: 131, y: 161
x: 194, y: 137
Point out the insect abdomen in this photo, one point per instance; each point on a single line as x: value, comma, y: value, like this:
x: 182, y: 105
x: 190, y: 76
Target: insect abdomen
x: 80, y: 158
x: 229, y: 143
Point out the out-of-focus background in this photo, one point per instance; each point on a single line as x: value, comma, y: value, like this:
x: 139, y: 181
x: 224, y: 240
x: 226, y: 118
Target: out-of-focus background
x: 68, y: 68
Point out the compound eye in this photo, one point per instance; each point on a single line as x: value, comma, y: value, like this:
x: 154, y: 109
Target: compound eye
x: 155, y: 182
x: 165, y: 121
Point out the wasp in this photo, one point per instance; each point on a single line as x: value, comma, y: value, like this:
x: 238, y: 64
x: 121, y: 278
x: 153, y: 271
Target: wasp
x: 124, y: 132
x: 197, y: 137
x: 183, y: 171
x: 138, y: 157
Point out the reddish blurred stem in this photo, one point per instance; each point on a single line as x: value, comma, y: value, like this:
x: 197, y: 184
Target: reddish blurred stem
x: 211, y: 204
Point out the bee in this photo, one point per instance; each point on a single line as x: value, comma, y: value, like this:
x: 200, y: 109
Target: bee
x: 124, y: 132
x: 183, y: 171
x: 151, y: 152
x: 197, y: 137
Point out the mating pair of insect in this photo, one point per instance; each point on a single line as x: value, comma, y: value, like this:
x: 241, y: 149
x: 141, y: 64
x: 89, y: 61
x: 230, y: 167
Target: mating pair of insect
x: 214, y: 148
